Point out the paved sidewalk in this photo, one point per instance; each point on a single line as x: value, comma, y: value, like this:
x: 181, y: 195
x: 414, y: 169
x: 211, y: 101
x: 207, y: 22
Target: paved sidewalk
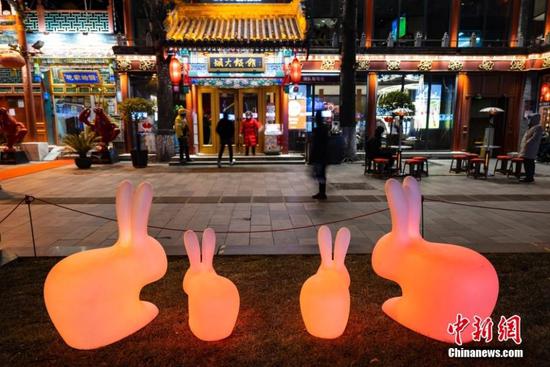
x: 257, y: 198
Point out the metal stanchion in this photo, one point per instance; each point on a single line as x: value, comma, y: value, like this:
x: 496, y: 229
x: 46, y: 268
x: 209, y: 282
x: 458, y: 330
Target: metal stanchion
x: 28, y: 201
x: 422, y: 216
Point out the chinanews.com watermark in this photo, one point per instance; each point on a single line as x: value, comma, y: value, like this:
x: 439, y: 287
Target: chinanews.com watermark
x: 508, y: 328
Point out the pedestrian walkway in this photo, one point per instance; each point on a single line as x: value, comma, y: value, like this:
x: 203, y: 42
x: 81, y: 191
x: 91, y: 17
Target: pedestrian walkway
x: 265, y: 198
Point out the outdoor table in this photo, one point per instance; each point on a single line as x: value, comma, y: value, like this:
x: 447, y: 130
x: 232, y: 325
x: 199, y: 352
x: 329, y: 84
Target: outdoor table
x: 487, y: 156
x: 399, y: 149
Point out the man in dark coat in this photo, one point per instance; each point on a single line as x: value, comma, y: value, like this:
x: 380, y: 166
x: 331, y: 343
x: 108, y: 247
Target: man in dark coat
x: 320, y: 155
x: 529, y: 147
x: 226, y: 131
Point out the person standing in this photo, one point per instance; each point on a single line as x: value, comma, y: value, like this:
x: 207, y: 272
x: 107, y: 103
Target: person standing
x: 320, y: 154
x: 226, y: 131
x: 529, y: 147
x: 182, y: 134
x: 249, y: 130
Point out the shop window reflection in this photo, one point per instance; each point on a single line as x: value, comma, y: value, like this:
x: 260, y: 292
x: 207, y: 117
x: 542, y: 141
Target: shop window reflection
x: 430, y: 125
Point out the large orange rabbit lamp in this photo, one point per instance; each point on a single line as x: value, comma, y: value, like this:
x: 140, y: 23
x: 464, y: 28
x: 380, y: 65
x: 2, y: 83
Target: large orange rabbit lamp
x: 213, y: 300
x: 325, y: 298
x: 92, y: 297
x: 438, y: 280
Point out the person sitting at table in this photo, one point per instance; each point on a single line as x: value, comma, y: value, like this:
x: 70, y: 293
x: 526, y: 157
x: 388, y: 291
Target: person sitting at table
x: 373, y: 147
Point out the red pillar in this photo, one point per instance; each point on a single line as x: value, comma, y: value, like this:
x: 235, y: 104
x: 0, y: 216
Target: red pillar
x: 128, y: 25
x: 514, y: 26
x: 454, y: 23
x: 110, y: 15
x: 460, y: 130
x: 284, y: 116
x: 547, y: 23
x: 371, y: 103
x: 368, y: 22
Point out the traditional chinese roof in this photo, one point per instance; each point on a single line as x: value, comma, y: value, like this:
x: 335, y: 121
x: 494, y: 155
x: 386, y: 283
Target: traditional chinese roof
x: 244, y: 25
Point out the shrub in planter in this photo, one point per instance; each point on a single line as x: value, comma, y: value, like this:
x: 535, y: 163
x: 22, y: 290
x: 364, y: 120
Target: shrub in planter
x: 81, y: 144
x: 130, y: 109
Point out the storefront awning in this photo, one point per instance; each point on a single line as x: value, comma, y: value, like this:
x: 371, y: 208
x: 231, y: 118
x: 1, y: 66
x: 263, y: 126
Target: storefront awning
x: 236, y: 25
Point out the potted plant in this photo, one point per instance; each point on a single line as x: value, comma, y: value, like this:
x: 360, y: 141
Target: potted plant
x: 132, y: 110
x: 81, y: 144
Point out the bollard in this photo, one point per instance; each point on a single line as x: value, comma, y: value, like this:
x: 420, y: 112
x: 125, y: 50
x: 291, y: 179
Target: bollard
x: 28, y: 201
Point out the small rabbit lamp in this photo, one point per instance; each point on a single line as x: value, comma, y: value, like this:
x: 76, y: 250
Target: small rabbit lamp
x: 438, y: 280
x: 325, y: 298
x: 213, y: 300
x: 92, y: 297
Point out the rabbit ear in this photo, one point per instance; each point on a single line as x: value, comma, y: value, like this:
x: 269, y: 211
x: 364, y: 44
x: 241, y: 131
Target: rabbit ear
x: 324, y: 237
x: 123, y: 210
x: 191, y: 242
x: 414, y: 200
x: 398, y: 204
x: 143, y: 198
x: 208, y: 246
x: 341, y: 245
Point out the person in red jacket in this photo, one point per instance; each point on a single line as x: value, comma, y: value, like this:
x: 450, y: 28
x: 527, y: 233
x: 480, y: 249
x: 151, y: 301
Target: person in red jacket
x: 249, y: 130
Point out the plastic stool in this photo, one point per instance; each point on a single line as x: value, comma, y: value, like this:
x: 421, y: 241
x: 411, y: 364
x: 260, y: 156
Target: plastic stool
x: 474, y: 167
x: 516, y: 165
x: 503, y: 159
x: 424, y: 167
x: 459, y: 159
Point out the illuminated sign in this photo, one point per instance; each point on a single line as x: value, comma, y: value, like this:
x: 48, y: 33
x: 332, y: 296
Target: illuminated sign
x: 81, y: 77
x: 236, y: 64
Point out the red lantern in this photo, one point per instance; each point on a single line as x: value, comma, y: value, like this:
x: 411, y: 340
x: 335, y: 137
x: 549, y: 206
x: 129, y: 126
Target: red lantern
x: 186, y: 78
x: 295, y: 71
x: 175, y: 71
x: 11, y: 59
x: 547, y: 97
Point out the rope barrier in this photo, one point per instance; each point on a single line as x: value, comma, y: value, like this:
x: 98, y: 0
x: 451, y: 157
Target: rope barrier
x: 11, y: 211
x: 222, y: 232
x: 488, y: 207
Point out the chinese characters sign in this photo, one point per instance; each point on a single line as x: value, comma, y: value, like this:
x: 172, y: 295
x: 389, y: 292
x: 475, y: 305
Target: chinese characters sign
x: 236, y: 64
x: 507, y: 328
x: 81, y: 77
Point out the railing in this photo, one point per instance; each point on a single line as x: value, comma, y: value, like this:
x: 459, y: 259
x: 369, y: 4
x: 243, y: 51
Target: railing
x: 69, y: 21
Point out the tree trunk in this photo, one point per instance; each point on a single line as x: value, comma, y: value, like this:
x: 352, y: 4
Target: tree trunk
x: 347, y: 77
x: 165, y: 102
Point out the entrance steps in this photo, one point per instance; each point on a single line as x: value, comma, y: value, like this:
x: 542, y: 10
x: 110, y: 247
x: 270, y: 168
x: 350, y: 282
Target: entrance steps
x: 259, y: 159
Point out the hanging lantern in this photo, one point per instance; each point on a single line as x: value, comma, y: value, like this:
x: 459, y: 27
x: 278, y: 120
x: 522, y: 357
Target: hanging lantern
x: 175, y: 73
x: 295, y: 71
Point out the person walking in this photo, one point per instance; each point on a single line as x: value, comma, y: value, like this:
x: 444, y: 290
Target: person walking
x: 320, y: 154
x: 249, y: 130
x: 226, y: 131
x: 529, y: 147
x: 182, y: 134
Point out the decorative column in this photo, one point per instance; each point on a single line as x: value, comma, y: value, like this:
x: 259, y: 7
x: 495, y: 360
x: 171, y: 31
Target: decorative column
x: 547, y: 22
x: 30, y: 113
x: 41, y: 16
x: 372, y: 80
x: 110, y: 16
x: 128, y: 25
x: 454, y: 23
x: 284, y: 116
x: 460, y: 130
x: 514, y: 24
x: 368, y: 22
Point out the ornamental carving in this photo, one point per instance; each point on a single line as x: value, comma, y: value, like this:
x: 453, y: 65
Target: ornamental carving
x: 363, y: 65
x: 147, y: 65
x: 456, y: 65
x: 123, y: 65
x: 328, y: 64
x: 486, y: 65
x: 546, y: 62
x: 517, y: 65
x: 393, y: 65
x: 425, y: 65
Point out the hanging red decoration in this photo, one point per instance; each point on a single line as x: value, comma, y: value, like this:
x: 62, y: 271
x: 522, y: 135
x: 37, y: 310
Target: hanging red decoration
x: 295, y: 71
x: 175, y: 71
x: 186, y: 78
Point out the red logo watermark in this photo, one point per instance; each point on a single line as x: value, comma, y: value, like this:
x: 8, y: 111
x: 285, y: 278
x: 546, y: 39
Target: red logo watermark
x: 507, y: 329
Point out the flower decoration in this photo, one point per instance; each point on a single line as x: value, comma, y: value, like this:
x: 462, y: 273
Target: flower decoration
x: 393, y: 65
x: 147, y: 65
x: 363, y: 65
x: 546, y: 62
x: 425, y: 65
x: 328, y: 64
x: 456, y: 65
x: 123, y: 64
x: 486, y: 65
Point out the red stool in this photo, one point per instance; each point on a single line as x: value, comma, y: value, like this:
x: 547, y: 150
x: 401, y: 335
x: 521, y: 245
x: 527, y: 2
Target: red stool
x: 414, y: 168
x: 474, y: 167
x: 424, y: 169
x: 516, y: 164
x: 503, y: 159
x: 459, y: 159
x: 381, y: 166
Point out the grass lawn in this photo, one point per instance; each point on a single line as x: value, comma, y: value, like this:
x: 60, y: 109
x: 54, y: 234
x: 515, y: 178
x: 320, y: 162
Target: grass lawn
x: 269, y: 329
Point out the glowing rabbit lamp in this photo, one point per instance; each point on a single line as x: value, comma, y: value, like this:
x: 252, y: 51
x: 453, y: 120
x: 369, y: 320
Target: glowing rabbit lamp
x: 213, y: 300
x: 438, y: 280
x: 92, y: 297
x: 325, y: 299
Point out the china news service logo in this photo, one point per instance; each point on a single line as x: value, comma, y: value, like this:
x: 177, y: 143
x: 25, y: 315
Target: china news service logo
x: 483, y: 330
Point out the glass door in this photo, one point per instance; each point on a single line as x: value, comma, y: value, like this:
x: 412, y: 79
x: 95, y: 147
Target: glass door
x: 208, y: 139
x: 250, y: 101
